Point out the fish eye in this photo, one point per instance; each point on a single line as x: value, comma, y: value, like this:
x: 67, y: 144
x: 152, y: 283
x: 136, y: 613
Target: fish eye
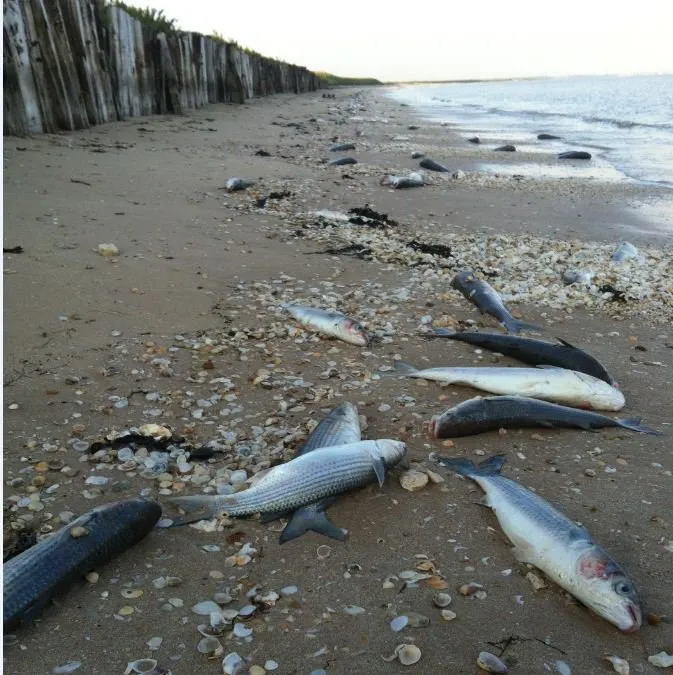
x: 623, y: 588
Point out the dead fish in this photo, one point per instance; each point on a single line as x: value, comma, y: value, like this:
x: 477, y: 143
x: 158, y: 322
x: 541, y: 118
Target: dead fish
x: 482, y: 414
x: 342, y: 161
x: 486, y: 299
x: 342, y: 147
x: 334, y: 324
x: 414, y: 179
x: 431, y: 165
x: 340, y: 427
x: 324, y: 472
x: 533, y: 352
x: 34, y: 577
x: 545, y: 538
x: 624, y: 251
x: 236, y: 184
x: 547, y: 383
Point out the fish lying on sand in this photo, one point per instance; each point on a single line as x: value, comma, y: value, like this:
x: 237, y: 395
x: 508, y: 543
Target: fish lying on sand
x: 334, y: 324
x: 482, y: 414
x: 340, y: 427
x: 547, y: 383
x: 533, y: 352
x: 342, y: 161
x: 342, y: 147
x: 486, y: 299
x: 236, y: 184
x: 625, y: 251
x: 431, y: 165
x: 414, y: 179
x: 324, y: 472
x: 34, y: 577
x: 545, y: 538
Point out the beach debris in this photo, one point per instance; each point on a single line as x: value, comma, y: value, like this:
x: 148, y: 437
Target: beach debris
x: 107, y: 250
x: 440, y: 250
x: 367, y: 216
x: 597, y: 581
x: 414, y: 179
x: 625, y: 251
x: 12, y: 249
x: 237, y: 184
x: 406, y: 654
x: 413, y: 480
x: 619, y: 665
x: 661, y: 660
x: 490, y: 663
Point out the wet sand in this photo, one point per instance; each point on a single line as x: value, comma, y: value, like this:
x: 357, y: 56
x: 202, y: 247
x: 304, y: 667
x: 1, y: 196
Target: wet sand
x: 197, y: 281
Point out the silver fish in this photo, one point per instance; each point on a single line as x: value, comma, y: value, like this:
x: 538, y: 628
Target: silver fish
x: 495, y: 412
x: 414, y: 179
x: 625, y: 251
x: 547, y: 383
x: 545, y: 538
x: 340, y: 427
x: 34, y: 577
x: 236, y: 184
x: 324, y: 472
x: 334, y: 324
x: 486, y: 299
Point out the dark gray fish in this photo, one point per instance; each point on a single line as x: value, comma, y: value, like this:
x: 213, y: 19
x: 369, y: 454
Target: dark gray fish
x: 342, y: 147
x: 431, y: 165
x: 489, y: 413
x: 339, y: 427
x: 547, y: 137
x: 533, y: 352
x: 506, y: 148
x: 34, y: 577
x: 575, y: 154
x: 487, y: 300
x: 342, y: 161
x: 544, y: 537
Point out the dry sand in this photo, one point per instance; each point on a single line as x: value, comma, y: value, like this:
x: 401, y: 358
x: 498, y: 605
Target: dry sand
x: 199, y: 263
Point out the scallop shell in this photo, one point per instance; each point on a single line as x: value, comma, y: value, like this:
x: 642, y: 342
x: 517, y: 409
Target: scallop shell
x: 491, y: 663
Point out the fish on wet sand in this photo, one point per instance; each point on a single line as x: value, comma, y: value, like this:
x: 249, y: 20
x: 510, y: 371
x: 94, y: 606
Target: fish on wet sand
x: 542, y: 536
x: 489, y: 413
x: 236, y: 184
x: 334, y: 324
x: 481, y: 294
x: 533, y: 352
x: 34, y: 577
x: 340, y: 427
x: 323, y: 472
x: 549, y: 383
x: 414, y: 179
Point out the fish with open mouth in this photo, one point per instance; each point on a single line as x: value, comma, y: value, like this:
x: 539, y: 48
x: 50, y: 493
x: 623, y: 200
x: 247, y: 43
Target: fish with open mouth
x: 531, y: 351
x: 481, y: 294
x: 548, y: 383
x: 542, y: 536
x: 334, y: 324
x: 321, y: 473
x: 341, y: 426
x: 489, y: 413
x: 34, y: 577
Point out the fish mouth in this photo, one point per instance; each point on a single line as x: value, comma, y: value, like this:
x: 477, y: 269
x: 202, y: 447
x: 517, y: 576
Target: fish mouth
x: 636, y: 617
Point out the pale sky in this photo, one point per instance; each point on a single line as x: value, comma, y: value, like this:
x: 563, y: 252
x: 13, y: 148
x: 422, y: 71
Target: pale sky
x: 443, y: 39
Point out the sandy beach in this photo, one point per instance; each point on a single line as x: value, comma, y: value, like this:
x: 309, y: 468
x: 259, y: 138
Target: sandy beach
x: 183, y: 328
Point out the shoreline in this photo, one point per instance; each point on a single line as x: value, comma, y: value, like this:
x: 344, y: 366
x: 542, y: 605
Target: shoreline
x: 188, y: 315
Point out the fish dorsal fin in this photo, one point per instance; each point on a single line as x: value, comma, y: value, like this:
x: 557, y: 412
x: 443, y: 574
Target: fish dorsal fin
x: 565, y: 343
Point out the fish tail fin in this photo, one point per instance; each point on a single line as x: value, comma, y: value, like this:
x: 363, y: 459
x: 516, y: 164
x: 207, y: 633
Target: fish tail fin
x: 466, y: 467
x: 516, y: 326
x: 404, y: 369
x: 305, y: 520
x: 200, y: 507
x: 634, y: 424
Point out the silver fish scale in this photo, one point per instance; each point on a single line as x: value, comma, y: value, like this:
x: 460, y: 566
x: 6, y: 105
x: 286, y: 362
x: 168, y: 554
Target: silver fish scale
x: 532, y: 504
x: 352, y: 470
x: 338, y: 433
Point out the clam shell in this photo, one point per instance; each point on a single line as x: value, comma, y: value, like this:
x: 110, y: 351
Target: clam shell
x: 408, y: 654
x: 491, y: 663
x: 441, y: 599
x: 210, y: 647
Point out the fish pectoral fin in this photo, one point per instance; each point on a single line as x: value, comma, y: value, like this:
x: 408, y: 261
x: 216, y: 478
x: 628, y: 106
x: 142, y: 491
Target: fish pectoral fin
x: 308, y: 519
x: 523, y: 554
x: 379, y: 469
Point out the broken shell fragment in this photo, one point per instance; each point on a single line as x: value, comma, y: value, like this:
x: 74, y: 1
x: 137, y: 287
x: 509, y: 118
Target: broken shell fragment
x: 491, y: 663
x: 141, y: 667
x: 661, y: 660
x: 210, y: 647
x: 413, y: 480
x: 399, y: 623
x: 619, y: 665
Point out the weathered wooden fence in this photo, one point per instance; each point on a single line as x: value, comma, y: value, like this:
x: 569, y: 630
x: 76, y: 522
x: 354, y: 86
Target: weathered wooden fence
x: 70, y: 64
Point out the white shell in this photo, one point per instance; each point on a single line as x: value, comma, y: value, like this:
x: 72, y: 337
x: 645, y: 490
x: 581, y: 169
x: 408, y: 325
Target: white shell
x: 399, y: 623
x: 408, y: 654
x: 619, y: 665
x: 141, y: 666
x: 210, y: 646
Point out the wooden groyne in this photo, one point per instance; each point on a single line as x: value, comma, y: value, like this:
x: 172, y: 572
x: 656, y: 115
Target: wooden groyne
x: 71, y: 64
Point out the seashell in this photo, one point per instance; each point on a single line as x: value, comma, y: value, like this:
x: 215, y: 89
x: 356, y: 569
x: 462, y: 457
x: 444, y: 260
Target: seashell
x: 154, y: 643
x: 270, y: 664
x: 619, y: 665
x: 353, y: 610
x: 78, y: 531
x: 441, y: 599
x: 448, y: 615
x: 491, y: 663
x: 69, y: 667
x: 661, y: 660
x: 413, y: 480
x: 470, y: 589
x: 408, y: 654
x: 231, y: 663
x: 242, y: 631
x: 141, y: 667
x: 205, y: 608
x: 399, y: 623
x: 156, y: 431
x: 323, y: 551
x: 131, y: 593
x: 562, y: 668
x: 411, y: 576
x: 256, y: 670
x: 210, y: 647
